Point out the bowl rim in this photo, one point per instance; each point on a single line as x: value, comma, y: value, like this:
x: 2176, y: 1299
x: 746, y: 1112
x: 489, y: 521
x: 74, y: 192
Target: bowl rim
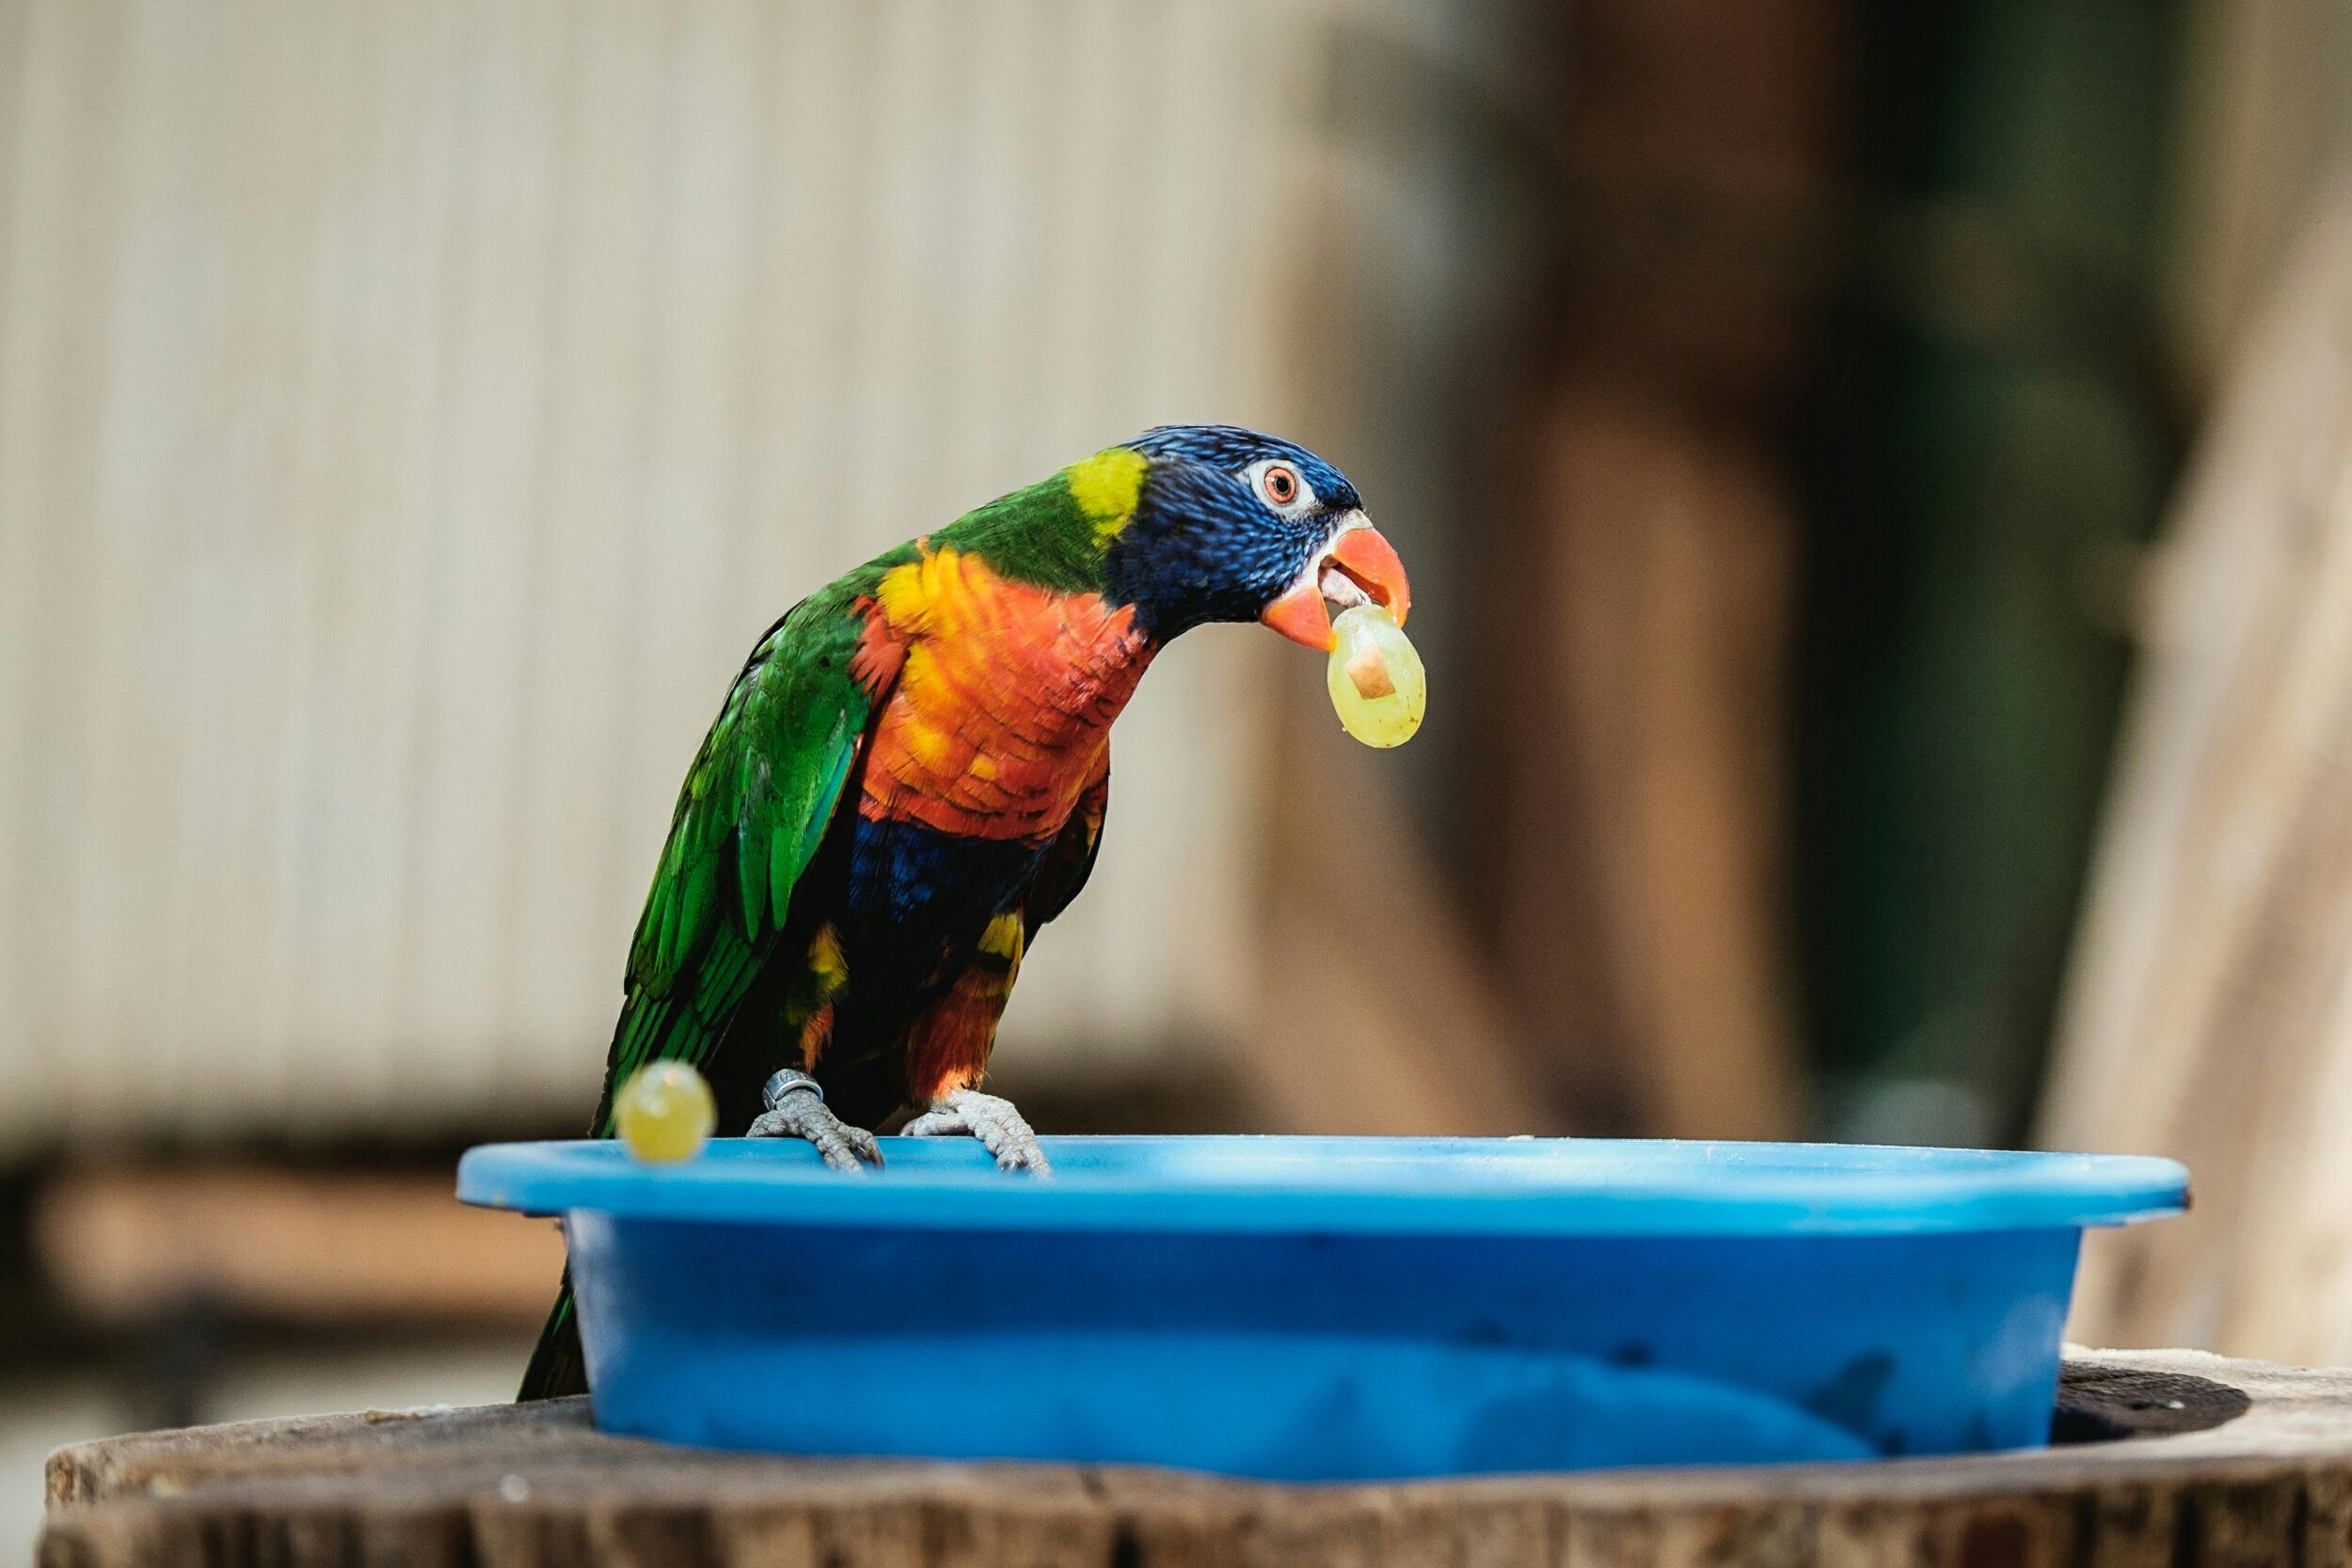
x: 1273, y: 1183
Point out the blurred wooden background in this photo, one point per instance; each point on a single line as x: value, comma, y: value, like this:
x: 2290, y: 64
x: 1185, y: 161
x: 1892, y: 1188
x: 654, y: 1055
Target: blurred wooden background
x: 2209, y: 1010
x: 2211, y: 1013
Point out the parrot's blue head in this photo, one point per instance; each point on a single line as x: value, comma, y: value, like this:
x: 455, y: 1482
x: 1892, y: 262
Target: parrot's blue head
x: 1232, y: 525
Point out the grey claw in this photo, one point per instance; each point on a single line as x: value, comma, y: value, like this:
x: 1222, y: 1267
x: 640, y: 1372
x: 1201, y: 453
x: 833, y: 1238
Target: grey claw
x: 805, y: 1115
x: 1002, y: 1130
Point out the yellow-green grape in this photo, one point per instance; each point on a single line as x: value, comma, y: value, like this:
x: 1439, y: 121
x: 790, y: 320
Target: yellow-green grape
x: 666, y: 1113
x: 1376, y: 681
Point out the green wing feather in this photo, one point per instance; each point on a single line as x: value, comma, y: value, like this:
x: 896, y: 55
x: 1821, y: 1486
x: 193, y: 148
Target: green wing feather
x: 754, y: 807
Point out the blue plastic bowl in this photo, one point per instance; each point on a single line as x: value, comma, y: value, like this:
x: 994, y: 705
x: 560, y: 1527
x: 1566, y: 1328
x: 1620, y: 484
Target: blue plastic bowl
x: 1329, y: 1308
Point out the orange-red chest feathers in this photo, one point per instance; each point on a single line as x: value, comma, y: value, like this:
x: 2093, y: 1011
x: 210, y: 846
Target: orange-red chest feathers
x: 1004, y: 699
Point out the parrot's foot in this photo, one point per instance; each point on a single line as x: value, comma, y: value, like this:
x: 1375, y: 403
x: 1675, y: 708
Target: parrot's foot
x: 1001, y: 1129
x: 797, y: 1109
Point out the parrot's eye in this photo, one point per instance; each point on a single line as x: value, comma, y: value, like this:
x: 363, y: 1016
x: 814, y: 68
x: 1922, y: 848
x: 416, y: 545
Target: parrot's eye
x: 1281, y: 486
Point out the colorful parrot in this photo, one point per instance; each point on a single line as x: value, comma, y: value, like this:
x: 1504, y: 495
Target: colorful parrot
x: 909, y: 777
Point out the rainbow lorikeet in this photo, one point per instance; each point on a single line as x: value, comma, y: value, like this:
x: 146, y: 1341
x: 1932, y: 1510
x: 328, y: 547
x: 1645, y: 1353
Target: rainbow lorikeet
x: 909, y: 776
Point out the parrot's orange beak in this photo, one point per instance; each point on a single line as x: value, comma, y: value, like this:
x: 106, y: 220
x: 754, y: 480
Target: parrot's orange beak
x: 1357, y: 566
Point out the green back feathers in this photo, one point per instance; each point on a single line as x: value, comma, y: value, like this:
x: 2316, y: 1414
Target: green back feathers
x: 1053, y: 533
x: 755, y: 805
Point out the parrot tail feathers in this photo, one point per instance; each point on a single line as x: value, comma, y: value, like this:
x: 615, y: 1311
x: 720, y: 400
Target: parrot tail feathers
x: 557, y: 1366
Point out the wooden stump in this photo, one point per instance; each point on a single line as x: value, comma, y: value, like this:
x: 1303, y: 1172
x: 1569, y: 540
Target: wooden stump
x: 507, y: 1486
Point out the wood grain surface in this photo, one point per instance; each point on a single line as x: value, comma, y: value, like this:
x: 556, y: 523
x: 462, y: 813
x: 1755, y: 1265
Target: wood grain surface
x: 505, y: 1487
